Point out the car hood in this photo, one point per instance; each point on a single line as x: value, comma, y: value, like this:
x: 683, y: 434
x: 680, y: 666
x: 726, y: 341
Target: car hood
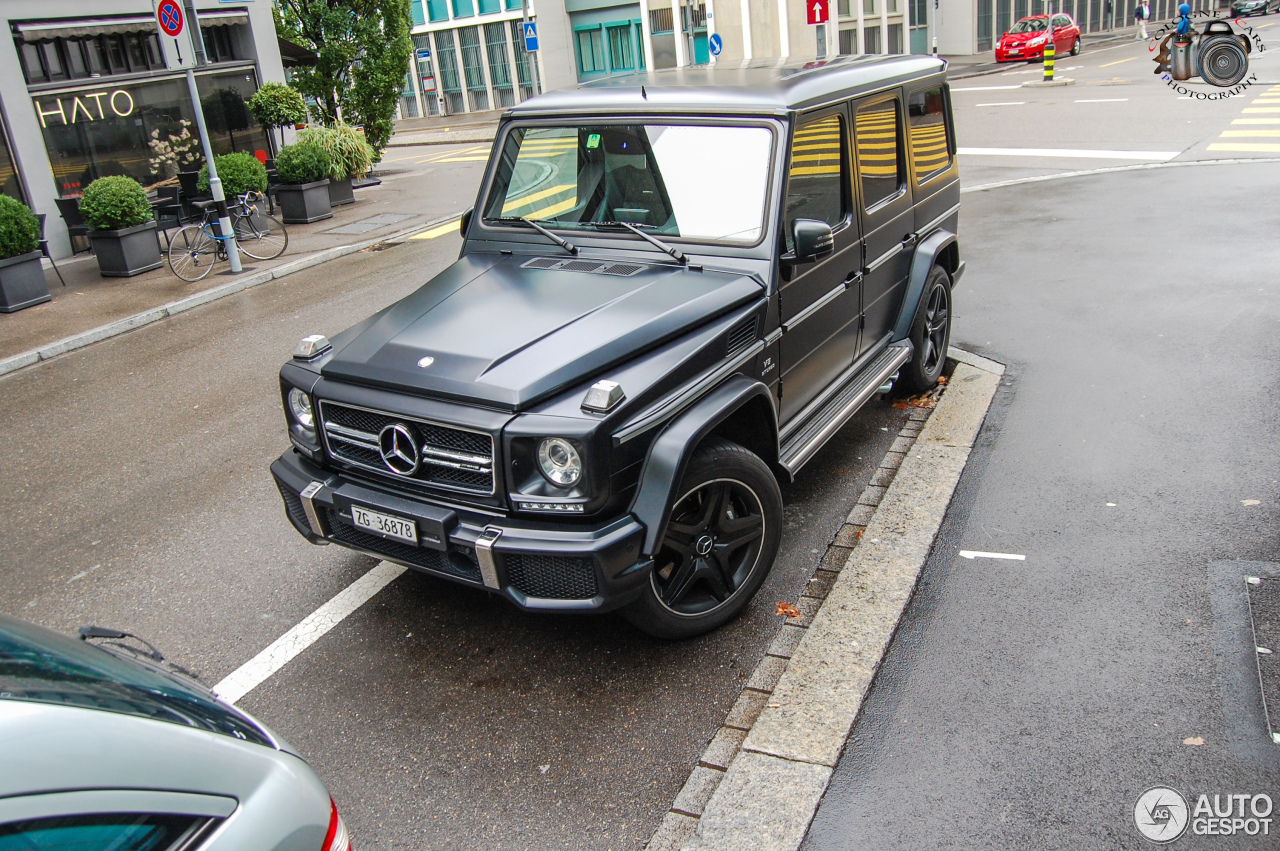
x: 1020, y: 38
x: 492, y: 330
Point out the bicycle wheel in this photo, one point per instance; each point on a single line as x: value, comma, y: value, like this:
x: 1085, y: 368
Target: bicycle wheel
x: 262, y: 237
x: 192, y: 253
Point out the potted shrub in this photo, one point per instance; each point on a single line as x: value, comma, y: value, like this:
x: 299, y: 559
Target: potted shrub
x: 277, y: 105
x: 303, y: 192
x: 239, y: 173
x: 21, y: 275
x: 350, y: 156
x: 122, y: 227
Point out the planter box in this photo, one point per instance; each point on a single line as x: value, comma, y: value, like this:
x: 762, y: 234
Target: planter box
x: 340, y: 192
x: 22, y: 282
x: 127, y: 252
x: 304, y: 203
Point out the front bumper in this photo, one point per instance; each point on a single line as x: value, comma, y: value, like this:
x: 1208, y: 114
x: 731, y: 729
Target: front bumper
x: 1024, y: 54
x: 544, y: 566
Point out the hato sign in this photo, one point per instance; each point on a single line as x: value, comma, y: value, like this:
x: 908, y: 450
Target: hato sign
x: 82, y: 107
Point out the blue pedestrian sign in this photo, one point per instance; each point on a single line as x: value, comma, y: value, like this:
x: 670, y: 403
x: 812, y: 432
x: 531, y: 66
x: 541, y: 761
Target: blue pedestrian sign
x: 530, y: 36
x: 716, y: 43
x: 424, y: 53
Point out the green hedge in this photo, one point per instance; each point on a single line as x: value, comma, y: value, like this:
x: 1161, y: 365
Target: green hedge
x: 114, y: 203
x: 19, y: 229
x: 304, y: 162
x: 239, y: 173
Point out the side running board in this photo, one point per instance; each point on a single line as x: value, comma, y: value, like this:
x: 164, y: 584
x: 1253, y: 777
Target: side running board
x: 828, y: 419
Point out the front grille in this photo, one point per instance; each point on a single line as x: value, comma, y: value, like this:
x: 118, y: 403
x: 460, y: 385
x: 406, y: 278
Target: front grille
x: 452, y: 458
x: 293, y: 505
x: 551, y: 577
x: 453, y: 563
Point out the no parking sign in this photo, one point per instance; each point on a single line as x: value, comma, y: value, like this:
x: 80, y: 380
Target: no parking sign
x: 175, y: 37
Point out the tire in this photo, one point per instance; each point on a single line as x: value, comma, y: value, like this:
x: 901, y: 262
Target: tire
x: 699, y: 581
x: 930, y: 335
x: 1075, y: 48
x: 262, y: 237
x: 192, y: 253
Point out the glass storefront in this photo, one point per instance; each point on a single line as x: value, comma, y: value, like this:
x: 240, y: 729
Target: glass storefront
x: 145, y: 130
x: 9, y: 183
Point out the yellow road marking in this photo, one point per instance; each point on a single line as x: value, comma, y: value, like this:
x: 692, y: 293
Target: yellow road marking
x: 450, y: 227
x: 1255, y: 147
x: 526, y: 200
x: 1261, y: 109
x: 1109, y: 64
x: 554, y: 209
x: 463, y: 159
x: 1229, y: 134
x: 1256, y: 121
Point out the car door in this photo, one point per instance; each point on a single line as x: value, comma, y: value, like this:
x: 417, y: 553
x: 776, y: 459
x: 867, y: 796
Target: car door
x: 888, y: 220
x: 819, y: 308
x: 1062, y: 35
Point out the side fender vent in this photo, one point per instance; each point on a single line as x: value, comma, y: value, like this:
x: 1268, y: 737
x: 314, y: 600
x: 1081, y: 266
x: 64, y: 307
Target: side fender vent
x: 599, y: 267
x: 742, y: 335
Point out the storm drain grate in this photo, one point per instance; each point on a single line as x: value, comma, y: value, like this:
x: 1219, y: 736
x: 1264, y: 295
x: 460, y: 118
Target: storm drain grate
x: 1264, y: 612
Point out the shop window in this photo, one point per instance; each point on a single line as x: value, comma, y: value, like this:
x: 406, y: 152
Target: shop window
x: 880, y: 164
x: 590, y: 52
x: 621, y: 55
x: 817, y: 180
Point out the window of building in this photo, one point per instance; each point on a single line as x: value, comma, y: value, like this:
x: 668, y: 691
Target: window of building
x: 524, y: 64
x: 984, y: 24
x: 871, y: 40
x: 473, y: 68
x: 843, y: 9
x: 437, y: 10
x: 489, y: 7
x: 621, y: 53
x: 868, y: 7
x: 450, y: 79
x: 62, y: 59
x: 590, y: 51
x: 926, y: 112
x: 512, y: 5
x: 10, y: 184
x: 895, y: 38
x: 848, y: 42
x: 880, y: 161
x: 495, y: 48
x: 463, y: 8
x: 661, y: 21
x: 818, y: 177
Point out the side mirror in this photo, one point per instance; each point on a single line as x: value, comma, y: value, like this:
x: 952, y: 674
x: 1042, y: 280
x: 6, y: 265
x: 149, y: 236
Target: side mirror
x: 464, y: 223
x: 812, y: 239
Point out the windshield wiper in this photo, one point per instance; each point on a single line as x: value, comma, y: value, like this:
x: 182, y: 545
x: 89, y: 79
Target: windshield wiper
x: 670, y: 249
x: 563, y: 243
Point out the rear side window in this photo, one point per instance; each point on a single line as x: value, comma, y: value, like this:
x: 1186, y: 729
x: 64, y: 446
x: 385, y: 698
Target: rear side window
x: 815, y: 184
x: 928, y: 122
x: 110, y: 832
x: 880, y: 161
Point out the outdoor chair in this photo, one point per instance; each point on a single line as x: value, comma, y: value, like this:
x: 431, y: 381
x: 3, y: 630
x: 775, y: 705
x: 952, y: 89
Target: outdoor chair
x: 69, y: 209
x: 168, y: 210
x: 44, y: 249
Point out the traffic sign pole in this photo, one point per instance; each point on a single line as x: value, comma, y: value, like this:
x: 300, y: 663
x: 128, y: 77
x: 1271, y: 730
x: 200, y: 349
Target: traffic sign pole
x: 215, y: 184
x: 533, y: 60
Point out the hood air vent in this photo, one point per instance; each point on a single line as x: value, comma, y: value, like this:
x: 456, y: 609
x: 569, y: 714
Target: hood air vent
x: 596, y: 267
x: 742, y: 336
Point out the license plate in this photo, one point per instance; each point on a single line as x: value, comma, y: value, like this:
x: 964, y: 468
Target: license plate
x: 1015, y: 50
x: 385, y: 524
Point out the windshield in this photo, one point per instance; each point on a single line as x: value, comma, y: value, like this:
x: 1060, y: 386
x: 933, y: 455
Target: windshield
x: 1030, y: 25
x: 41, y: 666
x: 693, y: 181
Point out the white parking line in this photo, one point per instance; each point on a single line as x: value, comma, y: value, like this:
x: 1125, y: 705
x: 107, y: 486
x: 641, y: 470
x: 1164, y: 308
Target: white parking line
x: 972, y: 554
x: 985, y: 88
x: 1155, y: 156
x: 312, y: 628
x: 1007, y: 103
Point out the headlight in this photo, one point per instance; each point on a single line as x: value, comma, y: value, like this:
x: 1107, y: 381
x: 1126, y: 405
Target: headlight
x: 300, y: 407
x: 1036, y: 42
x: 559, y: 462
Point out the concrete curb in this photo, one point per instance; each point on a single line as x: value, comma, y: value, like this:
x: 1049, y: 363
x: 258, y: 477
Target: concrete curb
x: 1048, y: 84
x: 147, y: 317
x: 764, y: 773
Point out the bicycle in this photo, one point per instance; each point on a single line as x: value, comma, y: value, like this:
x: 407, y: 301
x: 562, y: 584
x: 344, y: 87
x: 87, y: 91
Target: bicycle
x: 196, y: 248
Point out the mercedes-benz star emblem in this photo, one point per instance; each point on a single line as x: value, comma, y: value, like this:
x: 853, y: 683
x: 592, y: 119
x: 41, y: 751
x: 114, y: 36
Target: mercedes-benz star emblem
x: 704, y: 544
x: 426, y: 361
x: 399, y: 449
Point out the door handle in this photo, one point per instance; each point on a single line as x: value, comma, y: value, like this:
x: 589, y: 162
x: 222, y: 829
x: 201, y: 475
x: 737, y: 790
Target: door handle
x: 910, y: 240
x: 853, y: 279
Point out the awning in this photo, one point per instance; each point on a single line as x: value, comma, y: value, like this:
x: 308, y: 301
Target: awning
x: 293, y: 55
x: 85, y: 27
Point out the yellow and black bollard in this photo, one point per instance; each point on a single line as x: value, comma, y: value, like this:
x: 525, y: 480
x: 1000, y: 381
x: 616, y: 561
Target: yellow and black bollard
x: 1048, y: 60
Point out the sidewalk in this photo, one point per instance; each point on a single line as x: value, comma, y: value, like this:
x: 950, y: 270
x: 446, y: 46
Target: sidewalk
x: 90, y: 303
x: 980, y: 64
x: 446, y: 129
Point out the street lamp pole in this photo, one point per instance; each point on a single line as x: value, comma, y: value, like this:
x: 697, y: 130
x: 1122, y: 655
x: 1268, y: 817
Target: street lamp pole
x: 215, y: 184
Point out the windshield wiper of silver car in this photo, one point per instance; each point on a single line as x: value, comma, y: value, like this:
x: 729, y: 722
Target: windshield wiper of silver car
x: 670, y: 249
x: 563, y: 243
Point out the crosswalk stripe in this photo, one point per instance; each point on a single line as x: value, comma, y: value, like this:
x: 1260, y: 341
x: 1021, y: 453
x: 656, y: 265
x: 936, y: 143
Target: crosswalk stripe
x: 1256, y: 121
x: 1235, y: 134
x: 1262, y: 109
x: 1253, y: 147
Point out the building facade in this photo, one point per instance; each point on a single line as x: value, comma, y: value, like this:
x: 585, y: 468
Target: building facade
x: 88, y: 95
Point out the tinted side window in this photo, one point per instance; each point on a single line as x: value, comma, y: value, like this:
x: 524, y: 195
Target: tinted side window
x: 929, y: 153
x: 124, y: 832
x: 815, y: 184
x: 879, y: 152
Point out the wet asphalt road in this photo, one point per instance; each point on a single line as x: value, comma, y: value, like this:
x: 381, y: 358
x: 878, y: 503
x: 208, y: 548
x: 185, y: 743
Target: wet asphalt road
x: 1029, y: 704
x: 137, y: 496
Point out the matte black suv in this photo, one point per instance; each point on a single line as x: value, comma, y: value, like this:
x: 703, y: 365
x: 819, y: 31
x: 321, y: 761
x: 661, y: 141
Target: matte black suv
x: 674, y: 288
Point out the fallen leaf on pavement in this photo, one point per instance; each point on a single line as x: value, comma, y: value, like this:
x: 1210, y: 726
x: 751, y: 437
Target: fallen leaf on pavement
x: 1195, y: 741
x: 1251, y: 502
x: 789, y: 611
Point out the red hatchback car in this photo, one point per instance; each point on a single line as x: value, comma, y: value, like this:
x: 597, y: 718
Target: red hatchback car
x: 1027, y: 39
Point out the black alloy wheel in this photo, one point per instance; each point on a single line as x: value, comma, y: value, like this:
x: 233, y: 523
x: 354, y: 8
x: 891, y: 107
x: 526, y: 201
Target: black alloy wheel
x: 930, y: 335
x: 721, y: 538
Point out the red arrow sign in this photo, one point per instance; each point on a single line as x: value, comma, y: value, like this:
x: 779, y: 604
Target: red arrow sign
x: 818, y: 11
